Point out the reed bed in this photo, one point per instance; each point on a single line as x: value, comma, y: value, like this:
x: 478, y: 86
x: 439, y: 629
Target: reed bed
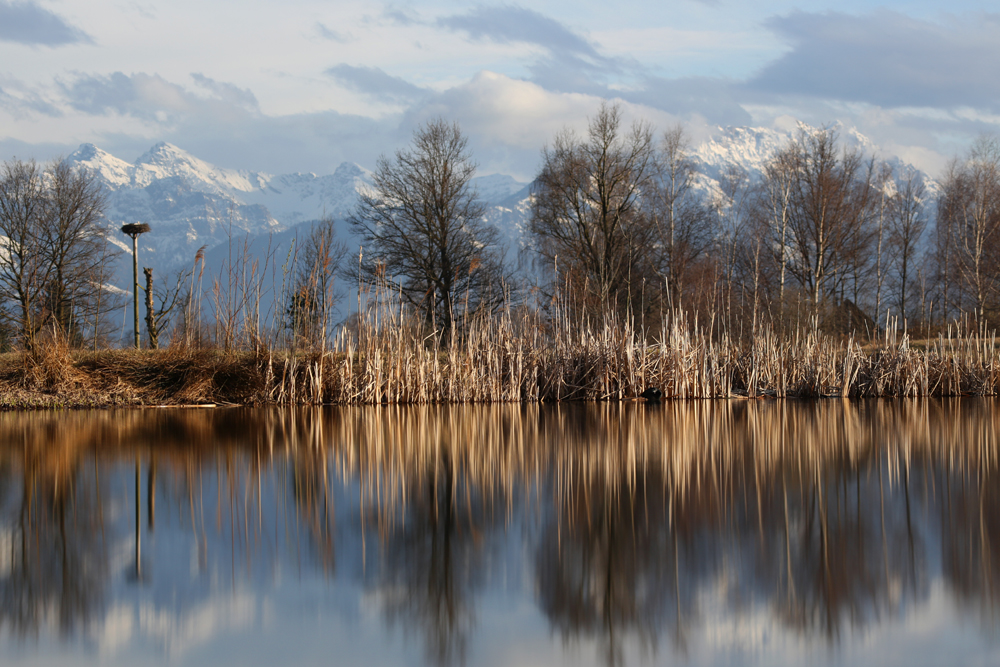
x: 516, y: 356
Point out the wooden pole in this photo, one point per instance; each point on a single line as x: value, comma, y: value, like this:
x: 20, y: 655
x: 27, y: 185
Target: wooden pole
x: 133, y: 229
x: 135, y: 286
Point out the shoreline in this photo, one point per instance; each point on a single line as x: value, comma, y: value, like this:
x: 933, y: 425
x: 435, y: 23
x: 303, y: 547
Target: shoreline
x: 54, y: 378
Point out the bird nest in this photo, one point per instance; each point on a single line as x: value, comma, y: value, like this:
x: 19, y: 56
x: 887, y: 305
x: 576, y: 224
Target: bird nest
x: 135, y: 228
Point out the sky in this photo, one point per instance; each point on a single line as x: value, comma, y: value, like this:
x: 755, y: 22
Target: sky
x: 303, y: 85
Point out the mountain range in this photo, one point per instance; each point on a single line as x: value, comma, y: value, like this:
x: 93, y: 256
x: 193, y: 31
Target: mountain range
x: 191, y: 204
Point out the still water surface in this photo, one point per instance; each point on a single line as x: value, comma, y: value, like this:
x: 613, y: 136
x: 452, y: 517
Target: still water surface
x: 710, y: 532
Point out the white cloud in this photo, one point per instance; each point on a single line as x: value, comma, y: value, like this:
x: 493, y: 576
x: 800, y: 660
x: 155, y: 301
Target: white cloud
x: 300, y: 88
x: 887, y: 58
x: 27, y: 23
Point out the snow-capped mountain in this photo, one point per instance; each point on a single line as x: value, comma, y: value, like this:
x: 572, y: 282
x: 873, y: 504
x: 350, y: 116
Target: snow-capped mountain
x: 191, y: 204
x: 746, y: 147
x: 187, y: 202
x: 750, y: 148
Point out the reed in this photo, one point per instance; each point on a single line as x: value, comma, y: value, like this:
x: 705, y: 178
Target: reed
x: 517, y: 354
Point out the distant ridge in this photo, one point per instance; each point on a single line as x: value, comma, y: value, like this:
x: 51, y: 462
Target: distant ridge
x: 191, y: 203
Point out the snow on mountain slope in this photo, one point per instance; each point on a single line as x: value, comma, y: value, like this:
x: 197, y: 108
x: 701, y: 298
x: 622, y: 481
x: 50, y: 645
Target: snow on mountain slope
x: 112, y: 171
x: 749, y: 148
x: 168, y: 161
x: 190, y: 203
x: 295, y: 198
x: 496, y: 188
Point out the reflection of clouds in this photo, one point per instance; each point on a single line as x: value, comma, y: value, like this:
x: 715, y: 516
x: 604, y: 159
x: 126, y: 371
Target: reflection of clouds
x: 747, y: 629
x: 927, y: 634
x: 115, y: 631
x: 592, y: 533
x: 176, y: 631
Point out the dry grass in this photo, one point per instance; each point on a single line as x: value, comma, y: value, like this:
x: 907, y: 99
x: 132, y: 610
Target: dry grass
x: 513, y: 356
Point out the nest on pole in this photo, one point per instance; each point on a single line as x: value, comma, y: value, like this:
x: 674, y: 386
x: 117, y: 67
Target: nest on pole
x: 133, y: 229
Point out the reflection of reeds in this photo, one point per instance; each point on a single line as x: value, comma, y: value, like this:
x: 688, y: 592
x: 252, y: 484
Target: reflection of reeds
x: 390, y: 448
x: 641, y: 509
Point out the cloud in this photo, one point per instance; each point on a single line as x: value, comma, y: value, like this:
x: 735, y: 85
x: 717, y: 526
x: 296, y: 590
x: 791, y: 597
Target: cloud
x: 151, y: 97
x: 502, y: 110
x: 376, y: 83
x: 715, y: 100
x: 567, y: 62
x: 400, y: 17
x: 327, y: 33
x: 886, y: 58
x: 27, y: 23
x: 507, y: 23
x: 140, y: 95
x: 569, y: 73
x: 316, y: 142
x: 227, y: 92
x: 509, y: 120
x: 23, y: 101
x: 876, y: 72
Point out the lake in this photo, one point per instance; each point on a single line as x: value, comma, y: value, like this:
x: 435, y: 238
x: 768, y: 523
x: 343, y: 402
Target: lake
x: 694, y: 533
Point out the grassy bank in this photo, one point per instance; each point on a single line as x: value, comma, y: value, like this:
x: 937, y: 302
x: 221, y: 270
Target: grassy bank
x: 507, y: 359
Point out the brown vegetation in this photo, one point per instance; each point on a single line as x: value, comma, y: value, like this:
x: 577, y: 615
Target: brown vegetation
x: 514, y: 357
x: 786, y: 285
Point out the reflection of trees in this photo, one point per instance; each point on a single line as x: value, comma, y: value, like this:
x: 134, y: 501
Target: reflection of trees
x: 644, y: 523
x: 786, y: 506
x: 606, y: 568
x: 311, y: 492
x: 971, y: 541
x: 432, y: 563
x: 55, y: 567
x: 830, y: 559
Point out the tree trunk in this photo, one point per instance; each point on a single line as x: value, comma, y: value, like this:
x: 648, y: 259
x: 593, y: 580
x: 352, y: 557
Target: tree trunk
x: 151, y: 328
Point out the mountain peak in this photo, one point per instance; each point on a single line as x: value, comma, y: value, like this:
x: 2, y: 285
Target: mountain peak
x: 165, y: 160
x: 112, y: 170
x: 350, y: 170
x: 86, y: 153
x: 164, y: 153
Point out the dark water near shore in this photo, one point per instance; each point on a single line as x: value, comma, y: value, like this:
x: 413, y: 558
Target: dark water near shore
x: 709, y: 532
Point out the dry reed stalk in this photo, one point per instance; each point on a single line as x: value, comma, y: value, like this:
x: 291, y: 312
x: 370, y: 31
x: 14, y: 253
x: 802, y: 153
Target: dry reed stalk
x: 509, y: 357
x: 517, y: 355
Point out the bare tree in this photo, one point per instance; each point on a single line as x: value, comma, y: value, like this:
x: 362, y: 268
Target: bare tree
x: 313, y: 299
x: 969, y: 217
x: 830, y: 200
x: 422, y: 227
x: 106, y: 298
x: 587, y: 219
x: 738, y: 256
x: 23, y: 270
x: 55, y: 248
x: 682, y: 219
x: 887, y: 193
x: 776, y: 207
x: 74, y: 245
x: 907, y: 222
x: 169, y: 297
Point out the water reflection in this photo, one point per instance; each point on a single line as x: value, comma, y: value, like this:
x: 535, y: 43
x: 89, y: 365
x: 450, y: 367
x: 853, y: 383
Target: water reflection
x: 685, y: 529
